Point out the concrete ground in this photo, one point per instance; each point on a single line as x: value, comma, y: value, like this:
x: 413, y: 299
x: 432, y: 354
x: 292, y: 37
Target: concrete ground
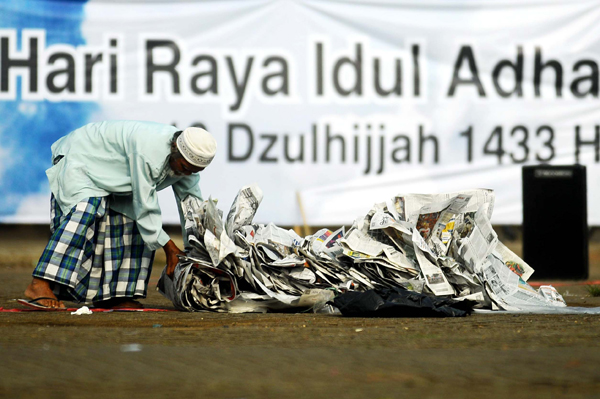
x: 192, y: 355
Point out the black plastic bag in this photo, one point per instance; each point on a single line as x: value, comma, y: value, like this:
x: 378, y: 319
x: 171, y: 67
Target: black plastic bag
x: 399, y: 303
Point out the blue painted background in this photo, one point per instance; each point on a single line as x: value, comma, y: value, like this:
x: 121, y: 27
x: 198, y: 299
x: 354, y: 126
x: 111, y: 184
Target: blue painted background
x: 28, y: 128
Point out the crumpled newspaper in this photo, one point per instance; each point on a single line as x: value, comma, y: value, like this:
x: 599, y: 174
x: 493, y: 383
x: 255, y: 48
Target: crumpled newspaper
x: 436, y: 244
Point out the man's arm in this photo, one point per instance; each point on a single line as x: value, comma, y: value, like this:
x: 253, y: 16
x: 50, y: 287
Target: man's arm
x: 146, y: 207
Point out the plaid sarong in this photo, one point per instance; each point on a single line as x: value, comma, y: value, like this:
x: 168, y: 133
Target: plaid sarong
x: 94, y: 254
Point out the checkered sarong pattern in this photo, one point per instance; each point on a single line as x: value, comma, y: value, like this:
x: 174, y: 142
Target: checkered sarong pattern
x: 94, y: 254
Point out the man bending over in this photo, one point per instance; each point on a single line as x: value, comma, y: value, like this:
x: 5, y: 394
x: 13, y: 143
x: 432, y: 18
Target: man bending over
x: 105, y: 216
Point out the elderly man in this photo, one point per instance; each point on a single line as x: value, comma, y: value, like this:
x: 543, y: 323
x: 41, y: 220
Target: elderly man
x: 106, y: 220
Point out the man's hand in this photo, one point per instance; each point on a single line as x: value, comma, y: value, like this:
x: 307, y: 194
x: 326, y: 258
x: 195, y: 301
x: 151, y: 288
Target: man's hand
x: 171, y: 251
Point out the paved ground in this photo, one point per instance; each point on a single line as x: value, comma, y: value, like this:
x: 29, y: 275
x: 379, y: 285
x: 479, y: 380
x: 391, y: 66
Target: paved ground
x: 152, y: 355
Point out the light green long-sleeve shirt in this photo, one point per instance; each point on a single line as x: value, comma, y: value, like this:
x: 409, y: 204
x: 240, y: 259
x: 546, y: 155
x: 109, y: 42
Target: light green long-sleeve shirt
x: 126, y: 160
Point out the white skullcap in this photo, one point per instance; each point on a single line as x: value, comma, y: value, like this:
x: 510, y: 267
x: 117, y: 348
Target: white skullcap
x: 197, y: 146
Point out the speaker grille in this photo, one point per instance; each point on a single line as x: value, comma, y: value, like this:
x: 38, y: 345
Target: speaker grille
x: 555, y: 231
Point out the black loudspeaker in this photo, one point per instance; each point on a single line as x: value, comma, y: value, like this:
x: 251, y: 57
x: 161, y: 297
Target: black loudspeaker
x: 555, y: 230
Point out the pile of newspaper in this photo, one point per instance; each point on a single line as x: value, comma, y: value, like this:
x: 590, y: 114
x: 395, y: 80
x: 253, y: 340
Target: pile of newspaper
x: 442, y: 244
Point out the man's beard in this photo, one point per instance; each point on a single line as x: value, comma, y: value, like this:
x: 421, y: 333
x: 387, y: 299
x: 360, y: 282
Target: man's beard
x: 173, y: 173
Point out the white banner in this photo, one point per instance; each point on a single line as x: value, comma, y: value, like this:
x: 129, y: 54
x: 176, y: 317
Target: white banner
x: 347, y: 103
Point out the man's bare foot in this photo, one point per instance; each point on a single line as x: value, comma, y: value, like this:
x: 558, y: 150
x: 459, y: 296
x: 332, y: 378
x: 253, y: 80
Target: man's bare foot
x: 118, y: 303
x: 41, y: 289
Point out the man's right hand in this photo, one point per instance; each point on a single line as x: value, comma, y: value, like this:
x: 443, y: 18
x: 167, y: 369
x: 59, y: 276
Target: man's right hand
x: 171, y: 251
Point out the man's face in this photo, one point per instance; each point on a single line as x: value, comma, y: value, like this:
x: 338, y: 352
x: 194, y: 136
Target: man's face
x: 182, y: 167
